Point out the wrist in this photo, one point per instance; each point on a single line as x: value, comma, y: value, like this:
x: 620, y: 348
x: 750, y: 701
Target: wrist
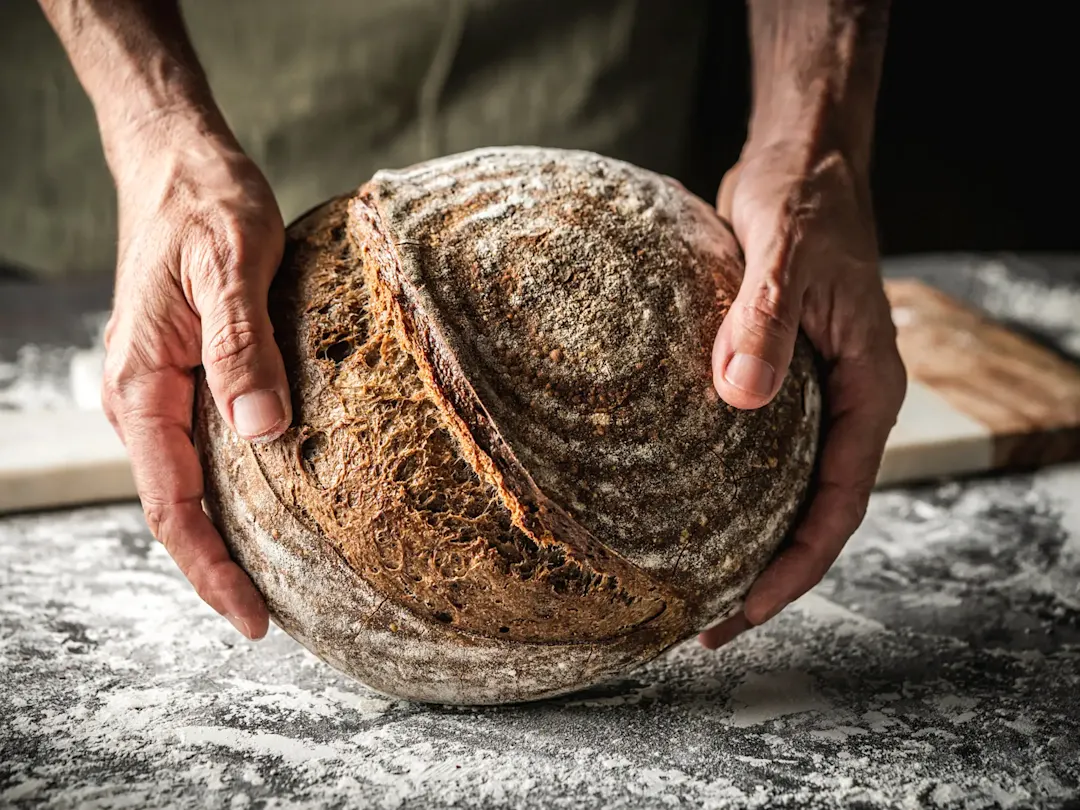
x: 141, y: 136
x: 816, y: 68
x: 812, y: 126
x: 141, y: 73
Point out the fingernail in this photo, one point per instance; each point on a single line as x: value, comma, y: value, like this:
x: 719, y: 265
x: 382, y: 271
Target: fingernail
x: 257, y: 413
x: 751, y: 374
x: 239, y: 624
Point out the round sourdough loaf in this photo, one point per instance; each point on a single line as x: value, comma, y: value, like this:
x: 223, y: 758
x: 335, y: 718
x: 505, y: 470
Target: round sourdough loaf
x: 508, y: 474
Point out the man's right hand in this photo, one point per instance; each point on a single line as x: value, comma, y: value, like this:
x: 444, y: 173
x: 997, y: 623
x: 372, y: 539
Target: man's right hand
x: 201, y: 237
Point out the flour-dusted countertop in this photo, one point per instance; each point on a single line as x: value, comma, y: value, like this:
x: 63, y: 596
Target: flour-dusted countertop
x: 938, y: 665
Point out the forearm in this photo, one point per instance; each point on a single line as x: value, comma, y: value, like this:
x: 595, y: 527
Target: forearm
x: 816, y: 69
x: 135, y: 61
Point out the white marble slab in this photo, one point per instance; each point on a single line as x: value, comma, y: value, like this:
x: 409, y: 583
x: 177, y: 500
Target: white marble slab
x: 59, y: 458
x: 933, y: 439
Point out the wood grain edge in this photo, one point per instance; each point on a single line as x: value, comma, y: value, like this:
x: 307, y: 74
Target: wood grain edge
x: 1028, y: 397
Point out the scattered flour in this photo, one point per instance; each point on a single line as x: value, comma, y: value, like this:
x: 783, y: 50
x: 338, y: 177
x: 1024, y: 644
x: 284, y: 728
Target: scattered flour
x: 119, y: 688
x: 842, y: 621
x: 762, y: 697
x: 47, y: 377
x: 38, y: 379
x: 1030, y: 301
x: 290, y: 749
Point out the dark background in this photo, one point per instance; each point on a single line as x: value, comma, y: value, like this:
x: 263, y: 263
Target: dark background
x: 976, y: 141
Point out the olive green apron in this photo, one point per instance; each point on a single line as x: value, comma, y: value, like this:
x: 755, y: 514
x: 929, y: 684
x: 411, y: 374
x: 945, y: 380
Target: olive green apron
x: 325, y: 92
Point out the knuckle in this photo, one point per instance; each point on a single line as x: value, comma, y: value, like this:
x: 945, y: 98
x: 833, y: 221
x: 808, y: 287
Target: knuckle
x: 132, y: 399
x: 767, y: 314
x: 854, y: 513
x: 219, y: 247
x: 232, y: 345
x: 156, y: 514
x: 818, y: 571
x: 116, y: 391
x: 108, y: 405
x: 861, y: 490
x: 159, y: 513
x: 892, y: 378
x: 850, y: 506
x: 815, y: 572
x: 110, y: 331
x: 897, y: 382
x: 159, y: 517
x: 120, y: 371
x: 232, y: 246
x: 111, y: 395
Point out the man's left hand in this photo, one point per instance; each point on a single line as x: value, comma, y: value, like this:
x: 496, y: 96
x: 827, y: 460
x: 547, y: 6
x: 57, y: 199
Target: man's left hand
x: 806, y: 227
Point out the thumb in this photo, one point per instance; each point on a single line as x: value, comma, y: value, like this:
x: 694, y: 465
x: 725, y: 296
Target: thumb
x: 243, y: 364
x: 755, y: 342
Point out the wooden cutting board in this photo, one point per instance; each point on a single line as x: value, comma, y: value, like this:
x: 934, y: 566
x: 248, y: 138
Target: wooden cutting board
x: 980, y: 398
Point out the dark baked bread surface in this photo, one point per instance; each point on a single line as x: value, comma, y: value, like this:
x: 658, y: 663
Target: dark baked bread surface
x: 509, y: 475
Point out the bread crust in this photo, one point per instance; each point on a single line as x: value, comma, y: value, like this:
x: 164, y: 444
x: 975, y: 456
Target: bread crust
x: 509, y: 475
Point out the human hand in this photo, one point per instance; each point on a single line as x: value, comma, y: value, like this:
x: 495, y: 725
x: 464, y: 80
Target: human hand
x: 200, y: 240
x: 807, y: 232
